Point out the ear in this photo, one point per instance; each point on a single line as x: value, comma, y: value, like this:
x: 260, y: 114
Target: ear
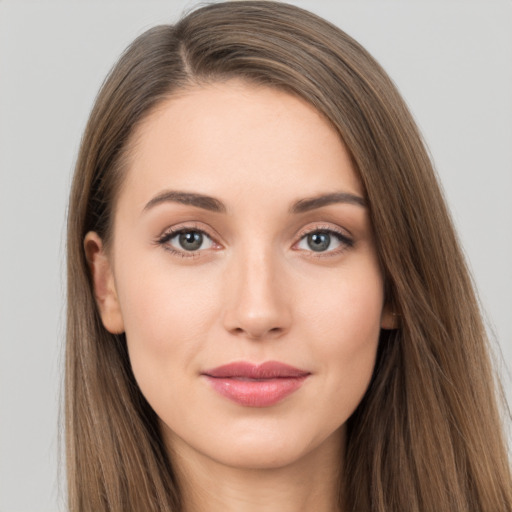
x: 103, y: 283
x: 389, y: 319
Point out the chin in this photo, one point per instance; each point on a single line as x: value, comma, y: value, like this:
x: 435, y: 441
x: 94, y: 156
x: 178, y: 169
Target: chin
x: 259, y: 447
x: 259, y: 456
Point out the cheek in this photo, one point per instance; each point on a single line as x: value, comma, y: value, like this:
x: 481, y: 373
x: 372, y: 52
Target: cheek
x: 167, y: 317
x: 344, y: 322
x: 346, y: 310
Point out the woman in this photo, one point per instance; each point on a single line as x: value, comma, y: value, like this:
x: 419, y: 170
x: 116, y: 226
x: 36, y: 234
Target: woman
x: 268, y: 308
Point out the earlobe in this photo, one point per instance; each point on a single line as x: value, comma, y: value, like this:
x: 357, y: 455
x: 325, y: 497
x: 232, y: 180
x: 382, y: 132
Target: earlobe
x: 103, y: 283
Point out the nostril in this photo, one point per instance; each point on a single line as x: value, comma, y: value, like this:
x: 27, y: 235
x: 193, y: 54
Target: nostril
x: 257, y: 333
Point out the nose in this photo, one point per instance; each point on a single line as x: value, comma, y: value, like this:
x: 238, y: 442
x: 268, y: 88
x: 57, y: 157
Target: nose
x: 258, y: 303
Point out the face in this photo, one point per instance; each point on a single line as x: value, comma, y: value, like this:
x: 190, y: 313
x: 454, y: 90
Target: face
x: 244, y: 273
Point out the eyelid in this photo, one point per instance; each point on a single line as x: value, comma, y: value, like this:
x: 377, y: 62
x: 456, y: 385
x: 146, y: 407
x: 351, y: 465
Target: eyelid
x: 311, y: 228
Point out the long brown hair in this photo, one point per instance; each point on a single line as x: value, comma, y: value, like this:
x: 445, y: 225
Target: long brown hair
x: 427, y: 436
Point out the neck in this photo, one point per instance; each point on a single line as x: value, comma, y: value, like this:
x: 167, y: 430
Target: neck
x: 310, y: 483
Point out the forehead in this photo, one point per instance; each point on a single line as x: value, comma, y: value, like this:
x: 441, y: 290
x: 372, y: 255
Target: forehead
x: 233, y: 140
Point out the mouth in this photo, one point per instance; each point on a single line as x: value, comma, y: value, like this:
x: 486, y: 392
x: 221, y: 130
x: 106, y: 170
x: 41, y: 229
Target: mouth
x: 254, y: 385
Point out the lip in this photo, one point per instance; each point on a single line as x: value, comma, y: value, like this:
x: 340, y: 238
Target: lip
x: 253, y: 385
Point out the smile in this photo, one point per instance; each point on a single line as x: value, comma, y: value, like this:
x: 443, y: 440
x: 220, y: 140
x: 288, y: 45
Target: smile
x: 253, y: 385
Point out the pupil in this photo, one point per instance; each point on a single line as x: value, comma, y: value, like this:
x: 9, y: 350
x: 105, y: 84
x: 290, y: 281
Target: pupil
x: 191, y: 241
x: 319, y: 241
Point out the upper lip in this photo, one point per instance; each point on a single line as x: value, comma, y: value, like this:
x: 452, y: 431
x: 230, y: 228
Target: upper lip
x: 266, y: 370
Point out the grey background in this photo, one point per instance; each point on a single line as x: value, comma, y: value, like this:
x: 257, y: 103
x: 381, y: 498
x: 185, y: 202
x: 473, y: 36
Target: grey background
x: 451, y: 60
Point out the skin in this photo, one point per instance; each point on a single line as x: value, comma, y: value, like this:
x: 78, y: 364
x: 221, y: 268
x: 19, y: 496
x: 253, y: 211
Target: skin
x: 254, y: 291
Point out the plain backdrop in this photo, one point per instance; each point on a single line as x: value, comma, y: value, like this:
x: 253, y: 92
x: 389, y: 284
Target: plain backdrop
x: 451, y: 60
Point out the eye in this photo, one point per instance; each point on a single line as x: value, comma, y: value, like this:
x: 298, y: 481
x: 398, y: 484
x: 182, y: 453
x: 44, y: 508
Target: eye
x: 186, y: 240
x: 324, y: 240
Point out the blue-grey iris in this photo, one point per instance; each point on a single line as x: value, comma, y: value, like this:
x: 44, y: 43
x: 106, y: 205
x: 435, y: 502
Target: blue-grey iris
x: 191, y: 240
x: 319, y: 241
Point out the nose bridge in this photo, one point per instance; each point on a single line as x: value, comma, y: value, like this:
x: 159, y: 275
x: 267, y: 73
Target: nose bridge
x: 257, y: 304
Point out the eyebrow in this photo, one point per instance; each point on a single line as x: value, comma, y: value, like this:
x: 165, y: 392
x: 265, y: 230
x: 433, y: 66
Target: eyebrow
x: 188, y: 198
x: 211, y: 204
x: 311, y: 203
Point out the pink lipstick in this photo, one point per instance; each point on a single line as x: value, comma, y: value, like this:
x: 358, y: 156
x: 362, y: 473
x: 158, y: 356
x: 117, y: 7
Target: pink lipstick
x: 254, y: 385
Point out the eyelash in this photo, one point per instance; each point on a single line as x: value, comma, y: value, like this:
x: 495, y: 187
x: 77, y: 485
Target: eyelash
x: 345, y: 241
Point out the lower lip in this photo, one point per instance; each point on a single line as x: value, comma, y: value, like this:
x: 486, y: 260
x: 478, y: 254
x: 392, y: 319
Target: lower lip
x: 256, y: 393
